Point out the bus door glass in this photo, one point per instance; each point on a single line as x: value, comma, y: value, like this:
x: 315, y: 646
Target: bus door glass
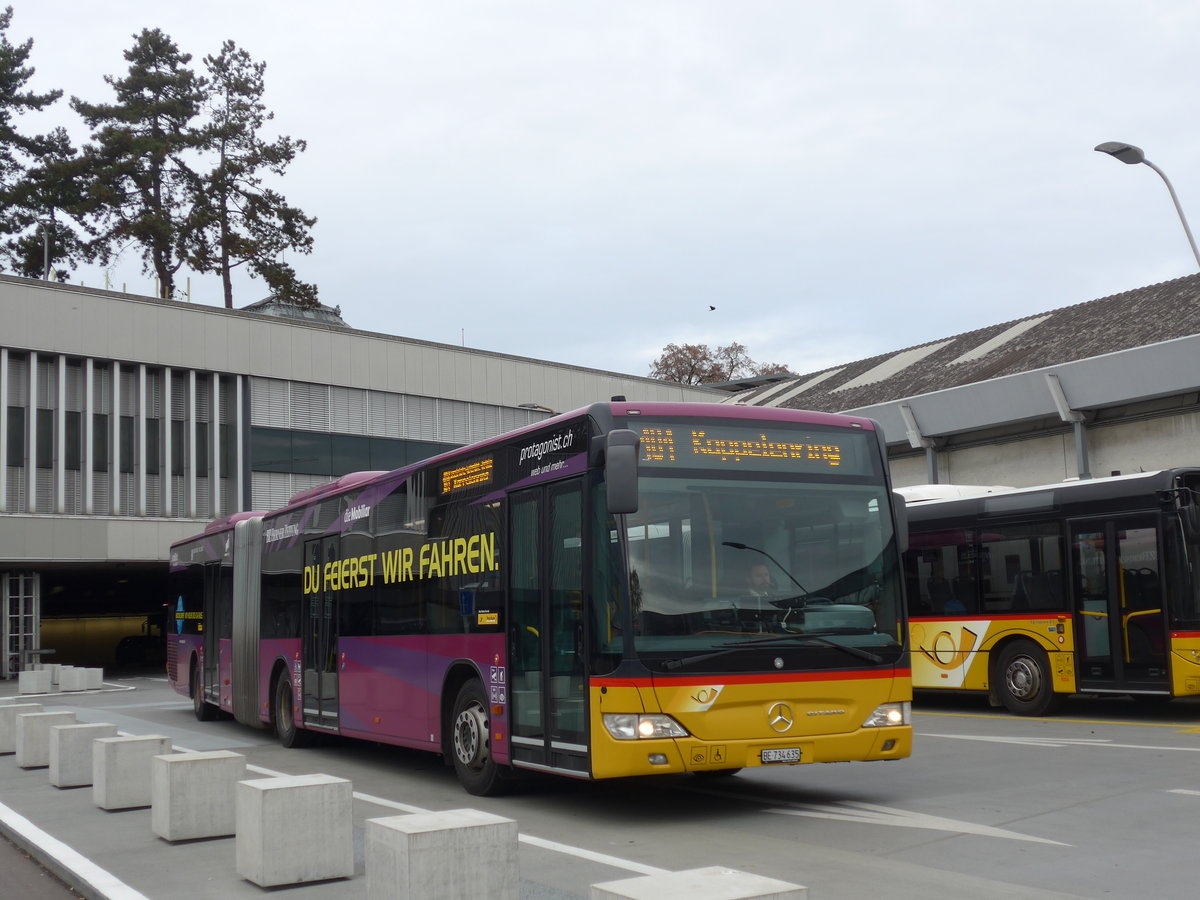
x: 319, y: 651
x: 546, y: 669
x: 1121, y: 634
x: 217, y: 621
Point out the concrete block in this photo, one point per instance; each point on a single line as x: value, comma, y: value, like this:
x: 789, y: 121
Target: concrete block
x: 72, y: 678
x: 294, y: 829
x: 442, y: 856
x: 8, y: 723
x: 121, y: 769
x: 71, y: 752
x: 192, y: 794
x: 33, y: 681
x: 95, y: 679
x: 710, y: 883
x: 33, y: 736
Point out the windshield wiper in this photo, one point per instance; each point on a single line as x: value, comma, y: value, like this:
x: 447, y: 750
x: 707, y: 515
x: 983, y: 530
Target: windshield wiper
x: 798, y: 639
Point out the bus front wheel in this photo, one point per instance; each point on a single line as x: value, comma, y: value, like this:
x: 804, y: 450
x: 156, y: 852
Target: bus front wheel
x: 1023, y: 680
x: 470, y: 748
x: 204, y: 711
x: 285, y: 718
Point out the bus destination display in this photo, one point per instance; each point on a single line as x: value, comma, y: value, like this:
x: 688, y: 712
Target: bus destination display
x: 757, y: 448
x: 470, y: 475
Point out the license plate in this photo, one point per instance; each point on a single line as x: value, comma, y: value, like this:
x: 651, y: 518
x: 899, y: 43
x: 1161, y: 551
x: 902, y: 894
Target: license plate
x: 781, y: 755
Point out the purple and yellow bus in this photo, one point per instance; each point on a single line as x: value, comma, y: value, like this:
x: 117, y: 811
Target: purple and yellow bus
x: 572, y: 598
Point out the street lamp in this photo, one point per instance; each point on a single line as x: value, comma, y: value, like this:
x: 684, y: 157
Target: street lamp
x: 1131, y: 155
x: 47, y: 226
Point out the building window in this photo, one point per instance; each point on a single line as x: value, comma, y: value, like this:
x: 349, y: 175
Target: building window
x: 74, y: 441
x: 270, y: 450
x: 153, y: 447
x: 127, y: 443
x: 228, y: 450
x: 201, y: 466
x: 351, y: 453
x: 99, y: 442
x: 319, y: 453
x: 45, y: 438
x: 16, y: 436
x: 178, y: 446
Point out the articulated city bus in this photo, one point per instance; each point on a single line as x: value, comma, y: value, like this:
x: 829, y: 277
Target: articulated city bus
x: 1081, y: 587
x: 574, y: 597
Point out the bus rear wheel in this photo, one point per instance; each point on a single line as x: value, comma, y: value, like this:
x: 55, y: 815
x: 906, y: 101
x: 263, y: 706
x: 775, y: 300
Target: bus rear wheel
x: 1023, y: 680
x: 203, y: 710
x: 471, y: 745
x: 285, y: 718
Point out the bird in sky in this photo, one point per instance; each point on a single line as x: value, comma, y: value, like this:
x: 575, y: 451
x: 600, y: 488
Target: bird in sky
x: 711, y: 308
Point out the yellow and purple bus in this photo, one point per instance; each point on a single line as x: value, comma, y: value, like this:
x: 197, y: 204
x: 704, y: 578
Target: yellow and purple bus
x: 1034, y: 594
x: 572, y: 598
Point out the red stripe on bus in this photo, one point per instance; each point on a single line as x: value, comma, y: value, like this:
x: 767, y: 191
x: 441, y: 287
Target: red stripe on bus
x: 1185, y: 634
x: 727, y: 678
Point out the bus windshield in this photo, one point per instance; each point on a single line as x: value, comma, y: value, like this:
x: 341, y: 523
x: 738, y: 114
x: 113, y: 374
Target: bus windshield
x: 720, y: 564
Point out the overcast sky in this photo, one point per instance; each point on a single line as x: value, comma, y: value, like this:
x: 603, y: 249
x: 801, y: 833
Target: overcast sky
x: 579, y: 181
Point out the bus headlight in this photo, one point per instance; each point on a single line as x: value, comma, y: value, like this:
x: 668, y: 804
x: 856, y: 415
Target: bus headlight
x: 631, y: 726
x: 889, y: 714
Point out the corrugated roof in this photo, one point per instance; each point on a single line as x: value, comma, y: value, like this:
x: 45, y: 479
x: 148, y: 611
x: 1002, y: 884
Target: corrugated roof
x: 1147, y: 315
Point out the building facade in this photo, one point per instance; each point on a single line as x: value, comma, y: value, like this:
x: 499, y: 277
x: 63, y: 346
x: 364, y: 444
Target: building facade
x: 130, y: 423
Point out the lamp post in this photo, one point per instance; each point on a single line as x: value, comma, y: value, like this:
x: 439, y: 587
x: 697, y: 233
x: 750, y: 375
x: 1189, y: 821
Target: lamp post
x: 1131, y: 155
x: 47, y: 226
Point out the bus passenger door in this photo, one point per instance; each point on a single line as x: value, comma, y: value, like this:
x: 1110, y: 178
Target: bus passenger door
x: 547, y: 680
x: 1120, y: 623
x: 216, y: 624
x: 319, y: 647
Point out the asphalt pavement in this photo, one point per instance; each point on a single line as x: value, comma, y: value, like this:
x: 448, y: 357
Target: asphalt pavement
x: 57, y: 844
x: 23, y: 876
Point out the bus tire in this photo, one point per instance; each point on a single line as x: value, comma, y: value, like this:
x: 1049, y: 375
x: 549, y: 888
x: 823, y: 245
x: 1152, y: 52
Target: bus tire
x: 203, y: 710
x: 285, y: 717
x: 1023, y: 680
x: 470, y: 744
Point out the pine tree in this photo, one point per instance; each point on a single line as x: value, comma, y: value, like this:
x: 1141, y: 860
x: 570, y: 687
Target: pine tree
x: 243, y: 222
x: 143, y: 186
x: 49, y: 202
x: 28, y: 165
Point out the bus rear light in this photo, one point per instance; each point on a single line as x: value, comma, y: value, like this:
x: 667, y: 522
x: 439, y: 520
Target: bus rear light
x: 890, y: 714
x: 631, y: 726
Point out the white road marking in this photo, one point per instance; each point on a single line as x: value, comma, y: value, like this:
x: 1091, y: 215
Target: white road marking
x: 1184, y: 791
x: 869, y: 814
x: 79, y: 865
x: 1059, y: 743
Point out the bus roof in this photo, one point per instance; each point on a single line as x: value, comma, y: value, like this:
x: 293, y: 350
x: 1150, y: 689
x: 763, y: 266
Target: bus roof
x: 603, y: 410
x: 1047, y: 496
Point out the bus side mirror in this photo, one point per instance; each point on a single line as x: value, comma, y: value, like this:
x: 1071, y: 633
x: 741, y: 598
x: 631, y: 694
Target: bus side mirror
x: 621, y: 470
x: 1189, y: 515
x: 1184, y: 502
x: 901, y: 522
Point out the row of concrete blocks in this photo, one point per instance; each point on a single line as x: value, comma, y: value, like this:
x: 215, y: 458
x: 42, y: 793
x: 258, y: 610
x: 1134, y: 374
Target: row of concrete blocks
x: 51, y: 677
x: 297, y: 829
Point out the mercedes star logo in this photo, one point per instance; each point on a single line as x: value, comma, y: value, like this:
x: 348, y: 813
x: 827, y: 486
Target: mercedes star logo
x: 780, y: 717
